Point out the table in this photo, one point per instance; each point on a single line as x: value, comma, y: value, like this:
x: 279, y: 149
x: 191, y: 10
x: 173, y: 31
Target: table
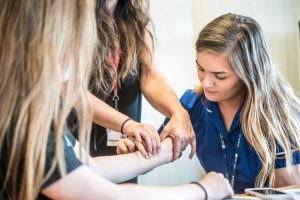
x: 245, y: 196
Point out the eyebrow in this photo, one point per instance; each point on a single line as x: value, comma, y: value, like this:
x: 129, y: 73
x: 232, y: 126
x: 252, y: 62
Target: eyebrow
x: 221, y: 72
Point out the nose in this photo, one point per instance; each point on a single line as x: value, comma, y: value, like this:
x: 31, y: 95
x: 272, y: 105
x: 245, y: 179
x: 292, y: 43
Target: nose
x: 207, y: 82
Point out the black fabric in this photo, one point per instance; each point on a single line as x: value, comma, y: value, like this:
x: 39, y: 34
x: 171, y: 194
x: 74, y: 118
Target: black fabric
x: 130, y: 104
x: 70, y: 159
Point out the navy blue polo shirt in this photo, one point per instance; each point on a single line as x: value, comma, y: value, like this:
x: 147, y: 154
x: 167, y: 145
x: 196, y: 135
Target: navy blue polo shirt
x: 208, y: 125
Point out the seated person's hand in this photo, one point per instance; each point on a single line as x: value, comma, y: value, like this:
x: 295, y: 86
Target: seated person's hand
x: 130, y: 145
x: 125, y: 146
x: 213, y: 182
x: 144, y: 134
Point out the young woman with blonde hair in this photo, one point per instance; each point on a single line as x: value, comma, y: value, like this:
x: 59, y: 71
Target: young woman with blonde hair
x: 46, y: 50
x: 245, y: 116
x: 43, y: 43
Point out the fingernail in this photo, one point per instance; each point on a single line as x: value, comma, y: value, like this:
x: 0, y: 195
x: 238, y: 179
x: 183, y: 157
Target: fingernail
x: 150, y: 154
x: 147, y: 157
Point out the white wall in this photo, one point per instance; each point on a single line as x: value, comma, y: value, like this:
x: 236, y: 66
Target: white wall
x: 177, y: 24
x: 278, y: 19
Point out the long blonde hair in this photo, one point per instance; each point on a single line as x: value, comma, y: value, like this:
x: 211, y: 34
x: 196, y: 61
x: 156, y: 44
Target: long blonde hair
x: 270, y: 113
x: 40, y: 41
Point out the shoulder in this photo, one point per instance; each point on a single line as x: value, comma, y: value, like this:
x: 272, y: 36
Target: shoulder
x: 70, y: 159
x: 190, y: 99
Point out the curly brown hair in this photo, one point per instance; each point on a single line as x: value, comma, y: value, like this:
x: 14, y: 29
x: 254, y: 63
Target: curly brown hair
x: 126, y: 28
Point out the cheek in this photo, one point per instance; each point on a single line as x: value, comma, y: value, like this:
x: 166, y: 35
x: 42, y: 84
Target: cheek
x: 200, y: 76
x: 230, y: 88
x: 224, y: 86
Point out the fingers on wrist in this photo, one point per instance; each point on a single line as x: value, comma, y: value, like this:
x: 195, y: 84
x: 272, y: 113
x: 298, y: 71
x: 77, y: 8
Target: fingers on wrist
x: 142, y: 150
x: 175, y: 151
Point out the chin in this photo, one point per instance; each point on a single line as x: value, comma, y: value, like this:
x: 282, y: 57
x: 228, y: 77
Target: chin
x: 211, y: 98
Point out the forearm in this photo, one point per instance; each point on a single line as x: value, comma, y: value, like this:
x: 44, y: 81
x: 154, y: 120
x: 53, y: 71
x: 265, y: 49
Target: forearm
x: 160, y: 95
x: 187, y: 192
x: 104, y: 115
x: 83, y: 183
x: 283, y: 179
x: 120, y: 168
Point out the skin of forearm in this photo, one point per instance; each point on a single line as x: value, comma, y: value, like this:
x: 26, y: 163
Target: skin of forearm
x: 120, y: 168
x: 283, y: 179
x: 187, y: 192
x: 160, y: 94
x: 104, y: 115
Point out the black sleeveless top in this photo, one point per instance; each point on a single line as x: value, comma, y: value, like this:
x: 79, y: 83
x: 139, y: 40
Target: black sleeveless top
x: 130, y: 104
x: 71, y: 161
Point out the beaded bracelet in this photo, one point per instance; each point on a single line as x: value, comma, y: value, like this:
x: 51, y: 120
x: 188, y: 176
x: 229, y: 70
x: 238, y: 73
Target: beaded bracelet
x: 124, y: 124
x: 200, y: 185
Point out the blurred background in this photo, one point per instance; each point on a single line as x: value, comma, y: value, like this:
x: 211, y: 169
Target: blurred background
x: 177, y: 24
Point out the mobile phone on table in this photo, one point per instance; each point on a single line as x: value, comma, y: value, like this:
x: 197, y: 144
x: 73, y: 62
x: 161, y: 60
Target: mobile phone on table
x: 268, y: 193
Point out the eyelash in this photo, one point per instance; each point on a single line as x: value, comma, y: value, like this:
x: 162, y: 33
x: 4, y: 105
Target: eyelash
x: 220, y: 78
x: 199, y: 68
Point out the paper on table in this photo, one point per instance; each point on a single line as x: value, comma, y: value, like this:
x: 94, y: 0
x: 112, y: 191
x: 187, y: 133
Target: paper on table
x: 294, y: 192
x: 239, y: 197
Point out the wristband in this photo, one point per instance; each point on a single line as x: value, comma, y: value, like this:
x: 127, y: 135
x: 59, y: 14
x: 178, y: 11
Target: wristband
x: 124, y: 124
x: 200, y: 185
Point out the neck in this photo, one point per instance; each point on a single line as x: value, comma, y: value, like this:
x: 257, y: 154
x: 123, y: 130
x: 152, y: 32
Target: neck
x: 229, y: 109
x: 233, y: 104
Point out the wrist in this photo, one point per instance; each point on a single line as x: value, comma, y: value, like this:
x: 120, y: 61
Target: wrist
x: 167, y: 149
x: 203, y: 190
x: 180, y: 113
x: 124, y: 125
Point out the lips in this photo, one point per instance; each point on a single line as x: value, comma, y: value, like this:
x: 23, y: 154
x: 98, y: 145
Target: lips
x: 209, y: 91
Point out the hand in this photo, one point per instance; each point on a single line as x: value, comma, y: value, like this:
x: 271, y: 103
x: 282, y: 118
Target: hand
x: 125, y: 146
x: 181, y: 127
x: 131, y: 145
x: 144, y: 134
x: 213, y: 182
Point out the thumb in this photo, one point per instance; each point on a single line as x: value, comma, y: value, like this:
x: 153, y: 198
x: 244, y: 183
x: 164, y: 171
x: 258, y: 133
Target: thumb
x: 164, y: 134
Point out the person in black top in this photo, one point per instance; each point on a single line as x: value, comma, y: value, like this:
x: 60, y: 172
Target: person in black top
x: 46, y: 50
x: 125, y: 69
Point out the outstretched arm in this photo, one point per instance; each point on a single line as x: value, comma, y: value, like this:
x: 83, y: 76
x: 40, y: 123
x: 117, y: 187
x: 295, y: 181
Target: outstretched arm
x: 84, y: 183
x: 162, y: 97
x: 120, y: 168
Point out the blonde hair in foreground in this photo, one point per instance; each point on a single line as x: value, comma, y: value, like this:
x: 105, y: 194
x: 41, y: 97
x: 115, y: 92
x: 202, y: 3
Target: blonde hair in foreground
x: 271, y: 112
x: 41, y: 43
